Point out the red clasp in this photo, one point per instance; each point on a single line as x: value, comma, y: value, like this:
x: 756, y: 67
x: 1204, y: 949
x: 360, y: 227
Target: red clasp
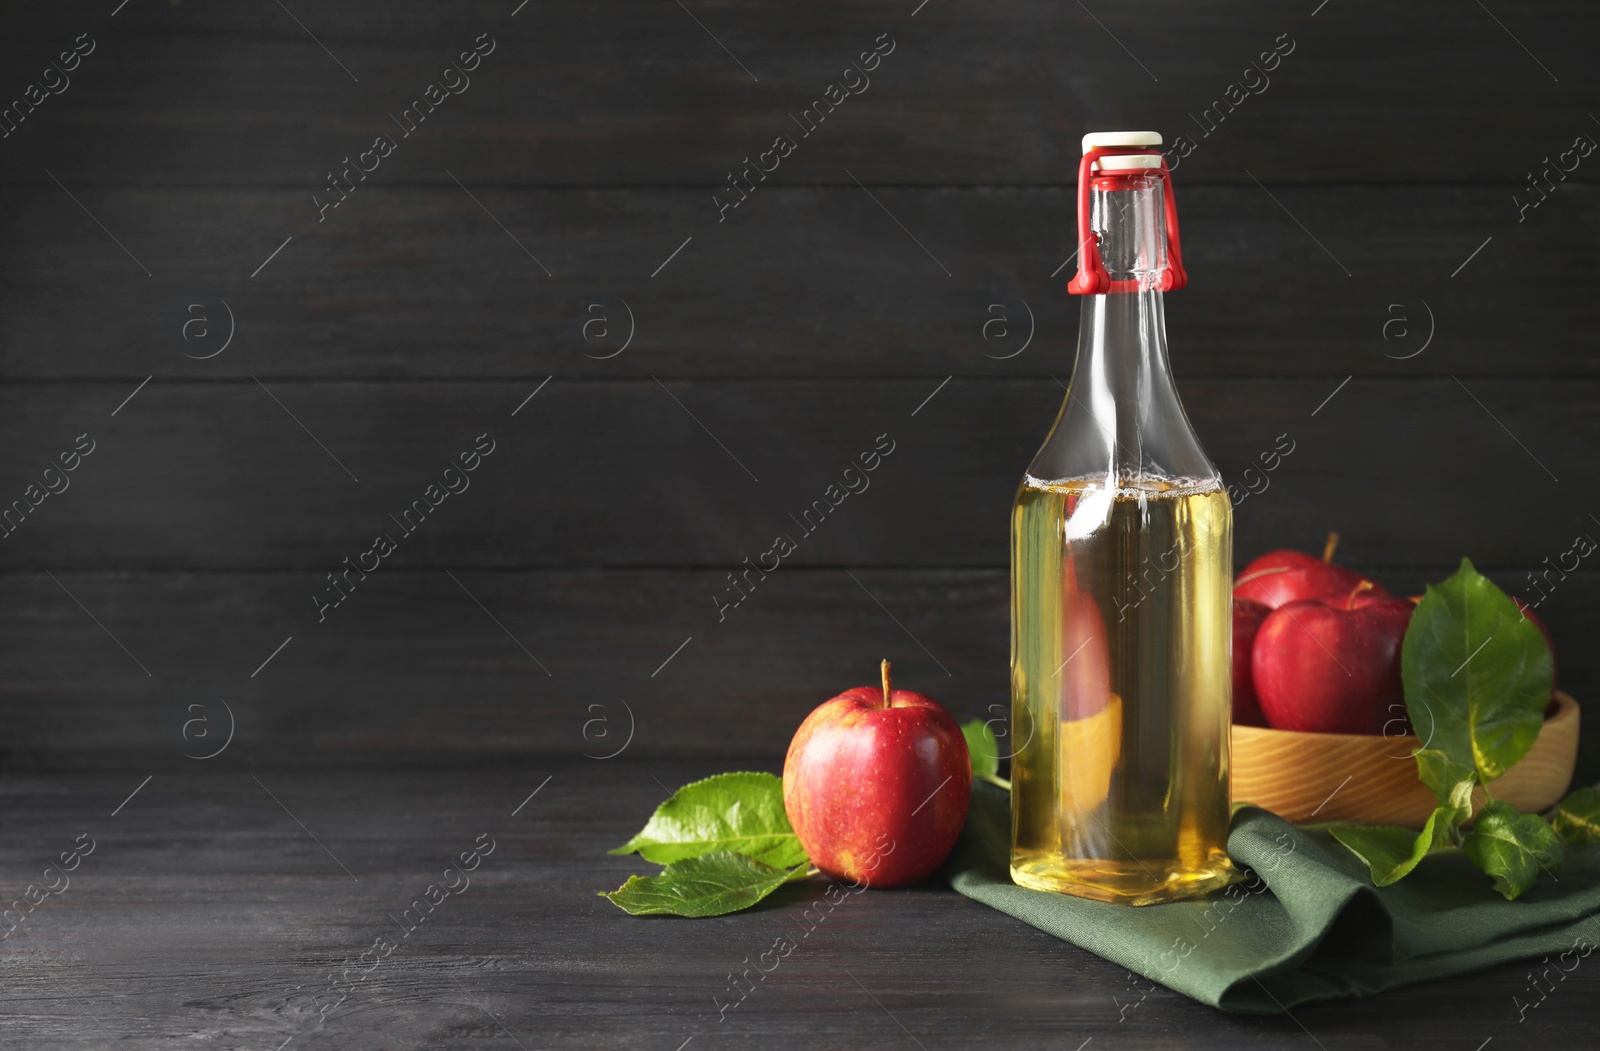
x: 1092, y: 279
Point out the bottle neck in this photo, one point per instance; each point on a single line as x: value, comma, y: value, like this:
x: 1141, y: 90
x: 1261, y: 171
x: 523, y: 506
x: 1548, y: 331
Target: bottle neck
x: 1127, y: 212
x: 1122, y: 420
x: 1122, y: 353
x: 1122, y: 335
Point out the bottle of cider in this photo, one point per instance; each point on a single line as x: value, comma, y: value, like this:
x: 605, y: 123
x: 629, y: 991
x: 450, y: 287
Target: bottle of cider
x: 1121, y: 563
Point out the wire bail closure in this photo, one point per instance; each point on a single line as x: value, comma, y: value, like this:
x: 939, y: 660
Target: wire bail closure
x: 1092, y: 279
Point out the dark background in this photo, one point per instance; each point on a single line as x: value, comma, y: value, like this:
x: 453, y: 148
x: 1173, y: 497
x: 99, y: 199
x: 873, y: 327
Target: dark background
x: 796, y: 331
x: 1376, y: 179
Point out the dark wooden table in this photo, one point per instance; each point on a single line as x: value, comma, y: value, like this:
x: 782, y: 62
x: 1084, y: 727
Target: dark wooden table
x: 218, y: 909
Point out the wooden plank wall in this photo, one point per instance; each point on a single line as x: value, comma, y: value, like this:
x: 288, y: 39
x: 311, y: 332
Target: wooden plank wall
x: 264, y: 381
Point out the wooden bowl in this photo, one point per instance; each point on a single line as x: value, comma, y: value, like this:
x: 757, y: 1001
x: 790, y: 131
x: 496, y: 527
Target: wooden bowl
x: 1373, y: 779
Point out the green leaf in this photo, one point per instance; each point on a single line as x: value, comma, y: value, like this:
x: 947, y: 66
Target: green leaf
x: 1391, y: 851
x: 1450, y: 781
x: 1577, y: 817
x: 1477, y: 674
x: 983, y: 747
x: 1513, y: 847
x: 711, y: 885
x: 740, y: 812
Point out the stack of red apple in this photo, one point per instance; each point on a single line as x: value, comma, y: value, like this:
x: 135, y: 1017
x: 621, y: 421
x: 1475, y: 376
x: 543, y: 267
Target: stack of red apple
x: 1316, y: 647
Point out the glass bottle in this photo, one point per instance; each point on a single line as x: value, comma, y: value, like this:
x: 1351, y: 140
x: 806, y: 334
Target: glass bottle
x: 1122, y: 551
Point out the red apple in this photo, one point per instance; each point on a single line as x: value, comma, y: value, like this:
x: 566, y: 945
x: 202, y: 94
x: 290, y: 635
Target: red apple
x: 1084, y: 677
x: 876, y: 785
x: 1332, y: 664
x: 1527, y: 611
x: 1290, y: 576
x: 1247, y: 618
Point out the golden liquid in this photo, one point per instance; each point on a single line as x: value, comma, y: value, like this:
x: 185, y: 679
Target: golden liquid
x: 1120, y: 683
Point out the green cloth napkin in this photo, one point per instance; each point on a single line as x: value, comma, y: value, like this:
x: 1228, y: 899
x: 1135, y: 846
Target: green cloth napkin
x: 1309, y: 925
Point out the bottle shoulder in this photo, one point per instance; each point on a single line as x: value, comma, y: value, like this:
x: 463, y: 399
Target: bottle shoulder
x: 1081, y: 450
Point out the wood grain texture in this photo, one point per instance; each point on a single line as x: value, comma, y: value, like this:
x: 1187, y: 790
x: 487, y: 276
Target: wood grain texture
x: 564, y: 606
x: 636, y: 92
x: 412, y: 668
x: 1373, y: 779
x: 815, y: 282
x: 707, y: 473
x: 206, y: 914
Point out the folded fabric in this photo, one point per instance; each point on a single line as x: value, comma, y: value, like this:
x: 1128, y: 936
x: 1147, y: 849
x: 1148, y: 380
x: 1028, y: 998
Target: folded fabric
x: 1304, y: 924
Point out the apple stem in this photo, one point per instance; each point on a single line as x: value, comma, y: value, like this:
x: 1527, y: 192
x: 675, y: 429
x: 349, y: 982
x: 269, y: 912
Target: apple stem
x: 1258, y: 574
x: 1350, y: 603
x: 993, y: 780
x: 884, y: 668
x: 1329, y: 547
x: 813, y: 871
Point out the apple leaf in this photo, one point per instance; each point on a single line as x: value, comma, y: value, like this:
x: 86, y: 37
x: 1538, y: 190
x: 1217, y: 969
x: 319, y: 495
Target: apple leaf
x: 1391, y: 851
x: 1450, y: 781
x: 710, y: 885
x: 1477, y: 677
x: 1512, y: 847
x: 1577, y: 817
x: 983, y: 748
x: 740, y: 813
x: 1477, y: 674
